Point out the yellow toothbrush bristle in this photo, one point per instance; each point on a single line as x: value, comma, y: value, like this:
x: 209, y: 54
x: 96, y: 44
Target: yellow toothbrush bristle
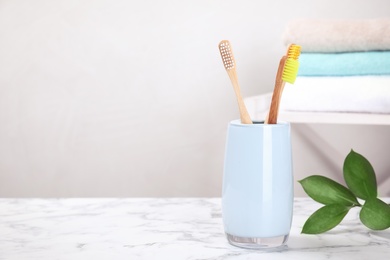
x: 290, y: 70
x: 294, y: 51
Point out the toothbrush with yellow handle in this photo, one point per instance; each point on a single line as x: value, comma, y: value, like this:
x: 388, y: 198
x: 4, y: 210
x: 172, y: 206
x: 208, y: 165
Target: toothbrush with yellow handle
x: 230, y: 65
x: 287, y: 72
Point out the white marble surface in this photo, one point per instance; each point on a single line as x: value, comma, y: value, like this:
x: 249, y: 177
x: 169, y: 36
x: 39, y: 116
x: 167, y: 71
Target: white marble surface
x: 175, y: 228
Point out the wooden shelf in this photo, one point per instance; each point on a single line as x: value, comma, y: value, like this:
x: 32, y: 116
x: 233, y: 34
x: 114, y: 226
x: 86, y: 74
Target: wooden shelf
x: 258, y: 109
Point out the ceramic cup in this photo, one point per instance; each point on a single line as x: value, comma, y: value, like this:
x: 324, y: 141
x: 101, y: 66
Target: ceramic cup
x: 257, y: 194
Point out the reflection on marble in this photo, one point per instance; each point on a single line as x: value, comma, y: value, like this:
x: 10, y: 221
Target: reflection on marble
x: 174, y: 228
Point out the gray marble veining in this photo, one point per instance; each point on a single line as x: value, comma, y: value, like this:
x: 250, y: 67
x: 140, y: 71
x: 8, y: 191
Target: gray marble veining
x: 174, y: 228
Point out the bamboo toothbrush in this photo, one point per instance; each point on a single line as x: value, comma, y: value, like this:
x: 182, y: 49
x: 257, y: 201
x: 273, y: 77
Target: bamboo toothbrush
x: 230, y: 65
x: 287, y: 72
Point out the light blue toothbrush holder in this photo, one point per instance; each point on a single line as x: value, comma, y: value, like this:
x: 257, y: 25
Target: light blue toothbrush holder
x: 257, y: 193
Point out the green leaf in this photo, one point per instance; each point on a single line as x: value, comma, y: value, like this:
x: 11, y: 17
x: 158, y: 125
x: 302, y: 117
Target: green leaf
x: 375, y: 214
x: 327, y: 191
x: 360, y: 176
x: 325, y: 219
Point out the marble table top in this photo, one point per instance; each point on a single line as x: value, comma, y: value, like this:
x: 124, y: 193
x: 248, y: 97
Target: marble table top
x: 173, y: 228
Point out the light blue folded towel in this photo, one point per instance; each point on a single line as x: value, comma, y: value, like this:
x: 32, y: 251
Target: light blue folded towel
x: 344, y: 64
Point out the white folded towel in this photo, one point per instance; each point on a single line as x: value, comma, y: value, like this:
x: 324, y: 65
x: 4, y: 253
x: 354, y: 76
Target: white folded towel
x: 359, y: 94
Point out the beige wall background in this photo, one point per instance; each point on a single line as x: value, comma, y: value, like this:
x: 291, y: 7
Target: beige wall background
x: 129, y: 98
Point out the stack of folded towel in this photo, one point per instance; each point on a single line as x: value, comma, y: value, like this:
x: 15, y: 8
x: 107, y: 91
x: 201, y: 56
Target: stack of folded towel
x: 344, y: 66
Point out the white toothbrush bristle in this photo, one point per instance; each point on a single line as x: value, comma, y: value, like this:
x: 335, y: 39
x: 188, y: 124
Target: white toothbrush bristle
x: 227, y: 55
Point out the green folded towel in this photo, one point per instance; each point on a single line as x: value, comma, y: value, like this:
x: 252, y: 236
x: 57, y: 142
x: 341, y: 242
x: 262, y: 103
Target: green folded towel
x: 345, y: 64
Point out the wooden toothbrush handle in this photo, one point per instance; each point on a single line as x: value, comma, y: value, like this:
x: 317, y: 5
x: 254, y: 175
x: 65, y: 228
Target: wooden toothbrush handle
x: 276, y: 96
x: 244, y: 115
